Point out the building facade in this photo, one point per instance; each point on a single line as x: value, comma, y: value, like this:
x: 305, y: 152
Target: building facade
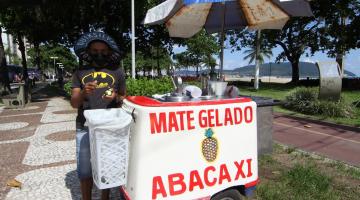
x: 13, y: 54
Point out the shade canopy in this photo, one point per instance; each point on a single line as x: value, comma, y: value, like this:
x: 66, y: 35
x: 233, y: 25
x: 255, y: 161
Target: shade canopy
x: 185, y: 18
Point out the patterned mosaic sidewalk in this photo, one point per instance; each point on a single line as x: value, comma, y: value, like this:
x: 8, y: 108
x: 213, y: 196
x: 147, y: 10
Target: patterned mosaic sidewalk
x: 37, y: 146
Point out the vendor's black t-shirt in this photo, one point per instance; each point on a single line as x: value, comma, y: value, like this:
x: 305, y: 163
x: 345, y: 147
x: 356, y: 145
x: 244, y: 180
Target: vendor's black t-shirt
x: 109, y: 77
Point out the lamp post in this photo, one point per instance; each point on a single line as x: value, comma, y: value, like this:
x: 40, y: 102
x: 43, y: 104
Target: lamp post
x: 54, y: 58
x: 257, y: 65
x: 270, y: 74
x: 61, y: 66
x: 133, y: 38
x: 60, y: 74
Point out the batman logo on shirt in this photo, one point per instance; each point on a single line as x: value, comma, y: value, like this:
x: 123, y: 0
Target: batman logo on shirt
x: 104, y: 80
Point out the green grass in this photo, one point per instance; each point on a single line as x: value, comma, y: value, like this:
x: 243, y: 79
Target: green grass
x: 346, y: 170
x: 280, y: 91
x: 275, y: 91
x: 292, y: 174
x: 300, y: 182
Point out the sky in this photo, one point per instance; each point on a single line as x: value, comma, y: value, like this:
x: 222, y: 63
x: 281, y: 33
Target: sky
x: 236, y: 59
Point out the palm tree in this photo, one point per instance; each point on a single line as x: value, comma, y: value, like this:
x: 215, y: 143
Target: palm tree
x: 257, y: 52
x: 264, y: 52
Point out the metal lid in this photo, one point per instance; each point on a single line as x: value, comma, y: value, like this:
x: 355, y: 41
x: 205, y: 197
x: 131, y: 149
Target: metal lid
x: 177, y: 98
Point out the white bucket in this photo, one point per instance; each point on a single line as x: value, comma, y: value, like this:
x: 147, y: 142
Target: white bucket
x: 217, y: 88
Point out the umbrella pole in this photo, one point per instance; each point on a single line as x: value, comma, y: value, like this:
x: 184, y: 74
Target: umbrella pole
x: 222, y: 44
x: 222, y: 56
x: 257, y: 67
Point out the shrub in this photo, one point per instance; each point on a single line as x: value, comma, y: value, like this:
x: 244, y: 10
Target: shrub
x: 305, y: 100
x: 67, y: 88
x: 335, y: 109
x: 302, y: 100
x: 148, y: 87
x: 141, y: 86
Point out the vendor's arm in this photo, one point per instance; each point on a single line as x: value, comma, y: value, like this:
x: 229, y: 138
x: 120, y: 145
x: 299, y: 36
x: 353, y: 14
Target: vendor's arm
x: 121, y: 94
x: 78, y: 95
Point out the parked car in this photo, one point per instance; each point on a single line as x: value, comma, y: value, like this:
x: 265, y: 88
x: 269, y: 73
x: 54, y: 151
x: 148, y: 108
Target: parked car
x: 16, y: 71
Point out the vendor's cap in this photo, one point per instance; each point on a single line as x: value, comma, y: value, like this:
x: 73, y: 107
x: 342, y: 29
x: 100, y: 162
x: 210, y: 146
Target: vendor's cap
x: 86, y: 39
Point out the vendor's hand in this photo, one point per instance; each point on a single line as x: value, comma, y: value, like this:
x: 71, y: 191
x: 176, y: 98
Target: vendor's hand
x: 109, y: 98
x: 89, y: 88
x: 119, y: 100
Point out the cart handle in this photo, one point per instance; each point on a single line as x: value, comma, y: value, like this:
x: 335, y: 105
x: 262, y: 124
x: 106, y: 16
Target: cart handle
x: 129, y: 111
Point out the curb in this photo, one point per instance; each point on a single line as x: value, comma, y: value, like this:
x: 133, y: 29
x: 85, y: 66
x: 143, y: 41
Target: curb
x: 315, y: 155
x: 324, y: 123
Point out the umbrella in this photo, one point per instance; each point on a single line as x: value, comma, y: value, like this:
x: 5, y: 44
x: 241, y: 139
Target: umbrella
x: 185, y: 18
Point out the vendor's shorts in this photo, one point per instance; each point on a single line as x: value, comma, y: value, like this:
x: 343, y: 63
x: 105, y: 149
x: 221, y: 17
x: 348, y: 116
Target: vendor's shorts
x: 83, y: 153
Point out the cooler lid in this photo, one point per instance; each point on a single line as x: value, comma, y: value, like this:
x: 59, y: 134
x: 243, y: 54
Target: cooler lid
x: 150, y: 102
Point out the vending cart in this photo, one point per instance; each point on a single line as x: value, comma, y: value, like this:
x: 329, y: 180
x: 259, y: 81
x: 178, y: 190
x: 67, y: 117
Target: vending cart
x: 197, y: 149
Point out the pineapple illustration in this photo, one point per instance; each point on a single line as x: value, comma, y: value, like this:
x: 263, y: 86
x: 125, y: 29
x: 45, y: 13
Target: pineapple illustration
x: 209, y: 146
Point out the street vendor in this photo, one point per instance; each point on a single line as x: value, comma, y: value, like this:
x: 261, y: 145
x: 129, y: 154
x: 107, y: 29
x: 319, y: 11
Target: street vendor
x: 99, y: 84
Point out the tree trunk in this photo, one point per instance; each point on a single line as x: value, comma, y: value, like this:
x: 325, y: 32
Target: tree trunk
x: 24, y: 65
x: 37, y: 55
x: 294, y: 59
x: 212, y: 73
x: 212, y: 70
x: 197, y: 71
x: 81, y: 63
x: 9, y: 47
x: 168, y: 70
x: 158, y: 62
x: 295, y: 72
x: 136, y: 72
x: 23, y: 57
x: 257, y: 57
x: 3, y: 65
x: 341, y: 54
x: 340, y: 61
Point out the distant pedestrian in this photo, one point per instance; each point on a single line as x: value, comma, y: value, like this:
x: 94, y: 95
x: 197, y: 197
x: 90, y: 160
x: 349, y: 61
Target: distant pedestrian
x: 32, y: 79
x: 17, y: 78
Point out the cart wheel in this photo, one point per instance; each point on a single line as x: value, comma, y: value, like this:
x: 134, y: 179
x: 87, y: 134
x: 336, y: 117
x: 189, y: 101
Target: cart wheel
x: 228, y: 195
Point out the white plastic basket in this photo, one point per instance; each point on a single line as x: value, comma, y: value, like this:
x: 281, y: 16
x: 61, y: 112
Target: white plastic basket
x: 109, y: 145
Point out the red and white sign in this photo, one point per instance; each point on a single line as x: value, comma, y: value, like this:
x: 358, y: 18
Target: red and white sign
x: 184, y: 151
